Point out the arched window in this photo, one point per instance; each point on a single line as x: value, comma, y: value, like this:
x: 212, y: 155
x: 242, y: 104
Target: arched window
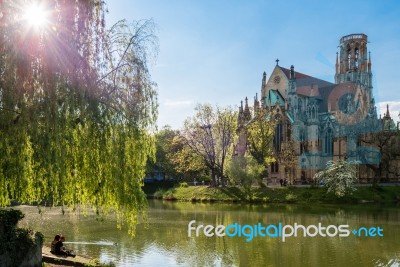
x: 328, y: 142
x: 278, y: 137
x: 274, y: 167
x: 313, y: 112
x: 356, y: 58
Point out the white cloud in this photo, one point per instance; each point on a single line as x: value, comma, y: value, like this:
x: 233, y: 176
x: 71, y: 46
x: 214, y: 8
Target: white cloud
x: 394, y: 109
x: 178, y: 103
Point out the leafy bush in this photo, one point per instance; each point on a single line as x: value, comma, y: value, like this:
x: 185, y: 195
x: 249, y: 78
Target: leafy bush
x: 159, y: 193
x: 244, y: 171
x: 265, y: 199
x: 15, y: 242
x: 169, y: 197
x: 183, y: 184
x: 339, y: 177
x: 290, y: 197
x: 9, y: 220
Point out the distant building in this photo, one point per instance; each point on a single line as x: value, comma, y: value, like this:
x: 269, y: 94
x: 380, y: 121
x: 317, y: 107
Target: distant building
x: 326, y: 120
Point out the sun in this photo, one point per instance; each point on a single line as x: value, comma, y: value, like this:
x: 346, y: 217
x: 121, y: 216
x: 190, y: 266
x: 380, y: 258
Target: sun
x: 35, y: 16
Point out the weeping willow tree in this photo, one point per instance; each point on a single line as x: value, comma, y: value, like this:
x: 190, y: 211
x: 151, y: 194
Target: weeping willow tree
x: 77, y: 107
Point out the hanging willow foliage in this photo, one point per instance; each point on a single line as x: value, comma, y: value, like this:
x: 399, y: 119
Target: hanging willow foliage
x: 77, y: 108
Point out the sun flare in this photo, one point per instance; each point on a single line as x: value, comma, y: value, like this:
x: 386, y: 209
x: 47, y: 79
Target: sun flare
x: 35, y: 15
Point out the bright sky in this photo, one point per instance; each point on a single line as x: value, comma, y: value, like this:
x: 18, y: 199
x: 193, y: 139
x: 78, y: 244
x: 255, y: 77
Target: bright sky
x: 215, y: 51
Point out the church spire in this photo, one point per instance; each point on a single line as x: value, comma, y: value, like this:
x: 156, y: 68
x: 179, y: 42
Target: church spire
x: 256, y: 103
x: 369, y: 62
x: 246, y: 112
x: 264, y: 80
x: 263, y: 83
x: 387, y: 115
x: 387, y: 122
x: 292, y: 75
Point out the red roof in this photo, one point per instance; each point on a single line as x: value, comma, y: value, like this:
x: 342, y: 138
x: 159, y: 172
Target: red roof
x: 306, y: 90
x: 306, y: 80
x: 298, y: 75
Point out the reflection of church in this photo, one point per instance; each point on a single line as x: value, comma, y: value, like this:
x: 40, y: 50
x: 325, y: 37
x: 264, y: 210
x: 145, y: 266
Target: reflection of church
x: 324, y: 119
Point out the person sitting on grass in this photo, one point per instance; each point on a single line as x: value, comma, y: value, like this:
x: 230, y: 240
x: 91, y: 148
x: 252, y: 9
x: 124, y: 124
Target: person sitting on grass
x: 57, y: 247
x: 67, y: 252
x: 53, y: 244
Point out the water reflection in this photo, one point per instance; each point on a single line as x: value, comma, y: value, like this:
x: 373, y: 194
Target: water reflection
x: 164, y: 241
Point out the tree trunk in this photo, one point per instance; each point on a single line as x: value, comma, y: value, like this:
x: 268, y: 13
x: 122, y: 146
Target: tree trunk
x: 213, y: 180
x: 376, y: 171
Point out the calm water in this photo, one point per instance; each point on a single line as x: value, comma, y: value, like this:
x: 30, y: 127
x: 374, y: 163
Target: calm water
x: 164, y: 241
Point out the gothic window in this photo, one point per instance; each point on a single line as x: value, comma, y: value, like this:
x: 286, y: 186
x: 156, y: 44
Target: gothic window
x: 328, y: 142
x: 356, y: 57
x: 274, y: 167
x: 278, y: 137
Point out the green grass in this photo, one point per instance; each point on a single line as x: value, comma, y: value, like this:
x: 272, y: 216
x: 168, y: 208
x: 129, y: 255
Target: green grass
x: 279, y: 194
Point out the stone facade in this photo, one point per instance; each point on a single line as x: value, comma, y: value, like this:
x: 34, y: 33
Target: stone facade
x: 325, y: 120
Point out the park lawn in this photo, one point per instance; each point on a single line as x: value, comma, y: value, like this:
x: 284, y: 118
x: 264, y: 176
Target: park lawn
x: 362, y: 194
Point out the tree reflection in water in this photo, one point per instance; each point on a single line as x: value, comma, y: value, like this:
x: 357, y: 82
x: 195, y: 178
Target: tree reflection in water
x: 164, y: 240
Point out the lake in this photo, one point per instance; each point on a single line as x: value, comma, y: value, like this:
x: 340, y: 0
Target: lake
x: 164, y: 241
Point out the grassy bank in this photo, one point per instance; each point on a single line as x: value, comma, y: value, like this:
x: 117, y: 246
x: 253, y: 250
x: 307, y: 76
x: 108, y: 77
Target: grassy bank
x: 279, y: 194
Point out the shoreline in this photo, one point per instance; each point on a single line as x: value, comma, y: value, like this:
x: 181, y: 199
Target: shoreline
x: 49, y: 260
x: 291, y: 194
x: 53, y: 260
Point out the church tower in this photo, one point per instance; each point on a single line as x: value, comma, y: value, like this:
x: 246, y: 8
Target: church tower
x: 353, y: 64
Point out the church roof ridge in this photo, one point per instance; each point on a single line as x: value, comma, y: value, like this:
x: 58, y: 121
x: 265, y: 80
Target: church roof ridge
x: 299, y: 75
x: 306, y: 78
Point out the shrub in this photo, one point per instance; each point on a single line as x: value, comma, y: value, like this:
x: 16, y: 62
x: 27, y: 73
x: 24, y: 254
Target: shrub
x: 15, y: 243
x: 266, y: 199
x: 183, y: 184
x: 244, y: 171
x: 339, y: 177
x: 159, y: 193
x: 290, y: 197
x: 169, y: 197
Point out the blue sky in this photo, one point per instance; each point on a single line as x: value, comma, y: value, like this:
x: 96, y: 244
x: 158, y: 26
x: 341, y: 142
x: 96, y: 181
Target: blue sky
x: 216, y: 51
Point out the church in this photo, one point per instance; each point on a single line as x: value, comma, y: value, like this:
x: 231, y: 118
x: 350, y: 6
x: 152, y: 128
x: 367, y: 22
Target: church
x: 325, y: 120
